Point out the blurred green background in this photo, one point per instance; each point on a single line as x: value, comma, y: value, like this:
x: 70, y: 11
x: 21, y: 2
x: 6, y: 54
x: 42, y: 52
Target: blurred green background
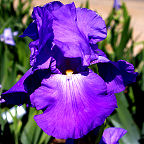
x: 14, y: 62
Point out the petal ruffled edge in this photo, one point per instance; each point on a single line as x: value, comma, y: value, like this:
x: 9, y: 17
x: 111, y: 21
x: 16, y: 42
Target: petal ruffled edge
x: 68, y: 37
x: 117, y: 75
x: 91, y: 24
x: 112, y: 135
x: 75, y: 105
x: 31, y: 31
x: 17, y: 95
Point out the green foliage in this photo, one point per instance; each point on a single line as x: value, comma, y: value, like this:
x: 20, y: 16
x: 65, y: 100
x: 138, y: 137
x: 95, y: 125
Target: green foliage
x: 14, y: 60
x: 31, y: 133
x: 123, y: 118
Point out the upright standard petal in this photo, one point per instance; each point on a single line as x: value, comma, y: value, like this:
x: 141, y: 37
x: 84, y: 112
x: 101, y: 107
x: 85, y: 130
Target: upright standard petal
x: 71, y: 32
x: 112, y: 135
x: 44, y: 18
x: 40, y: 30
x: 67, y: 35
x: 74, y: 104
x: 40, y: 59
x: 91, y: 25
x: 39, y: 12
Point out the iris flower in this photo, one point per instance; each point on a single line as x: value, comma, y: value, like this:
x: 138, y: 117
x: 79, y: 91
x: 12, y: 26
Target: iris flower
x: 66, y: 28
x: 112, y: 135
x: 7, y: 36
x: 74, y: 99
x: 116, y: 4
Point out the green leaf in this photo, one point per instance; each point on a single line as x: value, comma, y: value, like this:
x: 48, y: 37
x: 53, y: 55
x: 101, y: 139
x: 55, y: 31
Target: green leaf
x: 32, y: 134
x: 6, y: 24
x: 87, y: 4
x: 124, y: 119
x: 125, y: 12
x: 44, y: 139
x: 100, y: 133
x: 125, y: 37
x: 94, y: 68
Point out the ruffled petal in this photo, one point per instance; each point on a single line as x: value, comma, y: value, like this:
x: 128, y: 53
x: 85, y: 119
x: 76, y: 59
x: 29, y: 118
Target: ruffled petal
x: 39, y: 12
x: 17, y: 94
x: 74, y: 104
x: 44, y: 25
x: 40, y: 30
x: 44, y: 96
x: 20, y: 92
x: 31, y: 31
x: 112, y: 135
x: 44, y: 18
x: 40, y: 59
x: 91, y: 24
x: 97, y: 51
x: 34, y: 51
x: 71, y: 42
x: 52, y: 6
x: 97, y: 54
x: 117, y: 75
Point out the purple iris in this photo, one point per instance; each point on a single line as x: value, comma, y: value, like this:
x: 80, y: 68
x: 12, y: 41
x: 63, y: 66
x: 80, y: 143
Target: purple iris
x: 74, y: 99
x: 112, y: 135
x: 117, y: 75
x: 116, y: 4
x: 66, y: 27
x: 7, y: 36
